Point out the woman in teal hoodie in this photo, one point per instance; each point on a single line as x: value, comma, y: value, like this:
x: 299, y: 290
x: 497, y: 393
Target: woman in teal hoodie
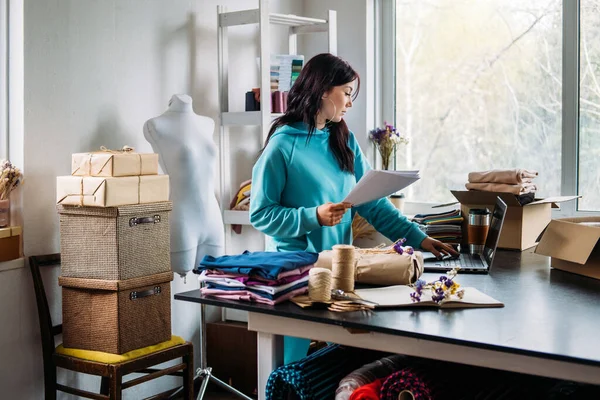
x: 309, y: 164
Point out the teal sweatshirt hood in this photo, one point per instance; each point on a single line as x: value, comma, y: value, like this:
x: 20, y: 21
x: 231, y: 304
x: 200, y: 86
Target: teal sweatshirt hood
x: 298, y: 128
x: 293, y: 177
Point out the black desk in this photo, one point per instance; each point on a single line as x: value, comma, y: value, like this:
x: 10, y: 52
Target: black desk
x: 550, y: 324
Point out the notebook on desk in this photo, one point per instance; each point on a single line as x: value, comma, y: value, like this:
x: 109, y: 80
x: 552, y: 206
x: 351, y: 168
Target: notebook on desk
x: 473, y: 263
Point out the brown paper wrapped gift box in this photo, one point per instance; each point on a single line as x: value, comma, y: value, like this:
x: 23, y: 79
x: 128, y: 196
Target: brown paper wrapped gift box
x: 111, y: 192
x: 111, y: 163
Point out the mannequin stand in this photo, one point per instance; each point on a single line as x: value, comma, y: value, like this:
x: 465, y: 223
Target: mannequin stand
x: 205, y: 372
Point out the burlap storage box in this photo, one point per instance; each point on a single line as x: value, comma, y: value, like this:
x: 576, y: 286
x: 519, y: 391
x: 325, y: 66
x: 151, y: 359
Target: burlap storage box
x: 115, y: 243
x: 116, y: 316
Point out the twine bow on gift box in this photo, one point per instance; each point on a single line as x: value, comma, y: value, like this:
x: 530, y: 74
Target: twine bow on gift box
x: 124, y: 149
x: 103, y: 149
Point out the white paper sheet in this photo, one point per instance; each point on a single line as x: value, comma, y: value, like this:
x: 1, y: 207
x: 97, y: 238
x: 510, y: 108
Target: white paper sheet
x: 399, y: 295
x: 376, y: 184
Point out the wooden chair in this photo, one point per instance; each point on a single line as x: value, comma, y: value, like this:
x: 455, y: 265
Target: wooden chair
x: 112, y: 373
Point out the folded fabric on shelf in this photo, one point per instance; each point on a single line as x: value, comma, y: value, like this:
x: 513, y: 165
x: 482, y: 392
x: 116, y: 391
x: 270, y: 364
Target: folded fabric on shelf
x: 517, y: 189
x: 241, y: 201
x: 267, y: 264
x: 508, y: 176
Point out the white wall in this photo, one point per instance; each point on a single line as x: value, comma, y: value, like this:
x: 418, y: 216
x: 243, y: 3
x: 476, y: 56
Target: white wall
x: 95, y: 71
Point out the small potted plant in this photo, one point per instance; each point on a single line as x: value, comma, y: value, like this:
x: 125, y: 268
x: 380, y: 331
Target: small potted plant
x: 386, y: 139
x: 10, y: 178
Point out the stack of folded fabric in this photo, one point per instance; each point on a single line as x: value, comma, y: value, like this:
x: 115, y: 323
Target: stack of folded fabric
x: 515, y: 181
x: 261, y: 277
x: 445, y: 227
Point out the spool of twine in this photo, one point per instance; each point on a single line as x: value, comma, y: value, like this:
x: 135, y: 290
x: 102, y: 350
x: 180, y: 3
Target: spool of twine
x: 319, y: 284
x: 342, y: 267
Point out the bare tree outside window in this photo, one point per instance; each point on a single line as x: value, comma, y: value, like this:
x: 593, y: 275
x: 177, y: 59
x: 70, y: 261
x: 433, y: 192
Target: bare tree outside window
x: 589, y: 106
x: 478, y: 86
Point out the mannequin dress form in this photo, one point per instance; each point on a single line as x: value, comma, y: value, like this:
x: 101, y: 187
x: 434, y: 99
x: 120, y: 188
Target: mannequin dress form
x: 188, y: 154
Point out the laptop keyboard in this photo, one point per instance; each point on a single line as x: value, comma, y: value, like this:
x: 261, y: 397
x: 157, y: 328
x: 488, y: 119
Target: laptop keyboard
x: 464, y: 262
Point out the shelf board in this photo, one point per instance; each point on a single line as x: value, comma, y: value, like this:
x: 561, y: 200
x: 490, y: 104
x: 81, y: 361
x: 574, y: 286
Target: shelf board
x: 234, y: 217
x: 13, y: 264
x: 294, y: 20
x: 244, y: 118
x: 246, y: 17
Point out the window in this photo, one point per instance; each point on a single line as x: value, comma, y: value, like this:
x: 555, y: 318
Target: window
x: 589, y: 105
x: 479, y: 85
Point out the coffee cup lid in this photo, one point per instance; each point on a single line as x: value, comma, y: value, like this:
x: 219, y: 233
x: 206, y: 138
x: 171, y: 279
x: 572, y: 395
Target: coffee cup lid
x: 479, y: 211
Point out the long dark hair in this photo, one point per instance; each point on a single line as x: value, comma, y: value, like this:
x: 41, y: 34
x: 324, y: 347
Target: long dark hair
x: 320, y: 74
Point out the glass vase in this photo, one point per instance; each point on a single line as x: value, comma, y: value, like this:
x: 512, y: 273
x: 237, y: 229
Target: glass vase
x: 385, y: 163
x: 4, y: 213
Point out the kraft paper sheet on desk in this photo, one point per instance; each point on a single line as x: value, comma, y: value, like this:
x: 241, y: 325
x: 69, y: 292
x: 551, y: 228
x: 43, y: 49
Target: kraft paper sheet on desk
x: 376, y: 184
x: 399, y: 296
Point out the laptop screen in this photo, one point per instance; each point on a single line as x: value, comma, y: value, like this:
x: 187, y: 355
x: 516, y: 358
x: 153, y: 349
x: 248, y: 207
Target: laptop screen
x: 496, y: 222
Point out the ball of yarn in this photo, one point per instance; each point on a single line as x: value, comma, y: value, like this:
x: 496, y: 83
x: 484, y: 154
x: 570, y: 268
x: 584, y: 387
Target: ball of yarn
x: 319, y: 284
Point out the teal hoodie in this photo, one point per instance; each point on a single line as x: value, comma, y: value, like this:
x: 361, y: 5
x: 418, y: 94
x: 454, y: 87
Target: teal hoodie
x: 292, y: 178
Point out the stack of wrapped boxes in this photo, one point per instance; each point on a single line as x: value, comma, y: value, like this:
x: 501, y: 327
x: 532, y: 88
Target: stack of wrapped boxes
x: 115, y: 252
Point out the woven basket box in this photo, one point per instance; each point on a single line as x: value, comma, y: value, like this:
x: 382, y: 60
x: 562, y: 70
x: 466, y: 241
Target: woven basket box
x: 115, y: 243
x: 116, y: 316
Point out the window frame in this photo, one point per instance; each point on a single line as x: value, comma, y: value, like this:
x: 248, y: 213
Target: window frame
x: 12, y: 78
x: 3, y: 79
x: 570, y: 98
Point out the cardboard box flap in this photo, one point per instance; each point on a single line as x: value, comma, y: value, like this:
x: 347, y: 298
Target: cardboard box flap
x: 480, y: 197
x: 569, y: 240
x: 554, y: 200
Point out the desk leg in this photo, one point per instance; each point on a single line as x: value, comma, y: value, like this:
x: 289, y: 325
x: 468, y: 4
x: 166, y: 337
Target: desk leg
x: 270, y: 356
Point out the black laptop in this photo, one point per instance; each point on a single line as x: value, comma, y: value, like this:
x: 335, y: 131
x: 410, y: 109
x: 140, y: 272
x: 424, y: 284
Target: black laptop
x: 474, y: 263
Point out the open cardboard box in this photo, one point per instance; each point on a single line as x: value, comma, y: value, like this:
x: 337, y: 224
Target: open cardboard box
x: 572, y: 244
x: 522, y: 224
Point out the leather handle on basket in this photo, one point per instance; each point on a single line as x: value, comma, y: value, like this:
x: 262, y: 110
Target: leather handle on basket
x: 135, y: 221
x: 150, y: 292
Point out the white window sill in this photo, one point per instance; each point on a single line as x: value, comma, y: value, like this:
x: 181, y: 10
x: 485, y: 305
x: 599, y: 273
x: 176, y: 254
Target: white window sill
x: 13, y: 264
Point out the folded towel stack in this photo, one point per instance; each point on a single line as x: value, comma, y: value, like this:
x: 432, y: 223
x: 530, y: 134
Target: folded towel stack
x: 261, y: 277
x: 445, y: 227
x: 515, y: 181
